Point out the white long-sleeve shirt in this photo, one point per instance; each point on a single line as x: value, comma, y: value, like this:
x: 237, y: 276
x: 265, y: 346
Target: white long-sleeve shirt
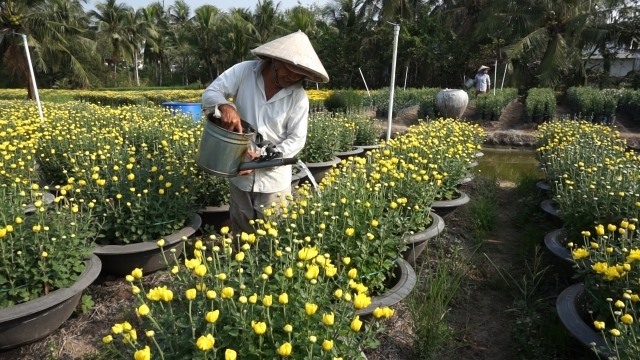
x: 281, y: 120
x: 483, y: 82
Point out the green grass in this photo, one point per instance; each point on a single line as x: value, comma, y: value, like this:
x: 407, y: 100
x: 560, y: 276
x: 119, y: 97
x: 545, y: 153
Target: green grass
x: 429, y: 301
x: 442, y: 277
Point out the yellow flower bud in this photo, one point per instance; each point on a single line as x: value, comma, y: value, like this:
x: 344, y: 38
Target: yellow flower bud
x: 227, y: 292
x: 328, y: 318
x: 212, y: 316
x: 200, y: 270
x: 259, y: 327
x: 283, y: 299
x: 310, y: 308
x: 353, y: 273
x: 136, y: 273
x: 230, y: 354
x: 356, y: 324
x: 327, y: 345
x: 285, y: 349
x: 143, y: 354
x: 205, y: 343
x: 143, y: 310
x: 288, y: 273
x: 626, y: 319
x: 239, y: 256
x: 191, y: 294
x: 361, y: 301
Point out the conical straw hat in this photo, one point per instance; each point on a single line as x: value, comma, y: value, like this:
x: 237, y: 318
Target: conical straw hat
x: 295, y: 49
x: 482, y: 67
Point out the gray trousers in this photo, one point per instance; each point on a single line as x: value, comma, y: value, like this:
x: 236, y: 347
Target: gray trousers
x: 246, y: 205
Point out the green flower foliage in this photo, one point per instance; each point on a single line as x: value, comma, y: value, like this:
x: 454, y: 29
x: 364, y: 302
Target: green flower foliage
x: 134, y: 165
x: 490, y: 106
x: 540, y: 102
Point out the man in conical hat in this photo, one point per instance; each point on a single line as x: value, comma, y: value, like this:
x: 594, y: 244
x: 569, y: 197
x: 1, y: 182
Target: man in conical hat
x: 268, y: 95
x: 483, y: 80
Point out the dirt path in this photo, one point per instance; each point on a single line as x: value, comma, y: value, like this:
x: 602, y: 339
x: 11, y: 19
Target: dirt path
x: 480, y: 317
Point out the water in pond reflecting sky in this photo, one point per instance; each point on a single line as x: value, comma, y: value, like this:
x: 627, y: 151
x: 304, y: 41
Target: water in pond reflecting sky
x: 508, y: 163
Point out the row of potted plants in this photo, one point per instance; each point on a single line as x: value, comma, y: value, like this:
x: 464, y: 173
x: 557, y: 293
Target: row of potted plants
x: 540, y: 104
x: 490, y: 106
x: 594, y: 184
x: 593, y: 103
x: 307, y: 284
x: 128, y: 173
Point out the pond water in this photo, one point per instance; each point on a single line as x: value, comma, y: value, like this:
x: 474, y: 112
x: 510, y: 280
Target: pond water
x: 506, y: 163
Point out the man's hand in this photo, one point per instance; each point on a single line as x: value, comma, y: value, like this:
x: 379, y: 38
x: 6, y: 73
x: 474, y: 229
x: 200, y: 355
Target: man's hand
x: 230, y: 118
x: 249, y: 156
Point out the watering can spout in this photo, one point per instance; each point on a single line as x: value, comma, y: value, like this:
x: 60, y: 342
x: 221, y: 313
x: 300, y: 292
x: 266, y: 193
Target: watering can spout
x: 261, y: 164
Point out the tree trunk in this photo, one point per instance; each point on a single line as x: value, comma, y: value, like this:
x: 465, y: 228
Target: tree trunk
x: 136, y: 68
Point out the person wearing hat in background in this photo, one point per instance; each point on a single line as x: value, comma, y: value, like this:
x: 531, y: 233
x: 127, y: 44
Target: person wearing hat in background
x: 483, y: 80
x: 268, y: 95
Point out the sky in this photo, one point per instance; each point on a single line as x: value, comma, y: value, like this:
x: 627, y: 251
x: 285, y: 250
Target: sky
x: 224, y: 5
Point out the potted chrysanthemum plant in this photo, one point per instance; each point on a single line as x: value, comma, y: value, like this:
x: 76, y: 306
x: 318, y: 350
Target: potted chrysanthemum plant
x: 136, y: 166
x: 45, y: 246
x: 608, y: 262
x: 264, y: 299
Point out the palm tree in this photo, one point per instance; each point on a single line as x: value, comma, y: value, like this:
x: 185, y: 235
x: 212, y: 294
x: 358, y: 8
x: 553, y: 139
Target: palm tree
x: 49, y: 32
x: 300, y: 18
x: 111, y: 18
x: 340, y: 44
x: 238, y: 37
x: 548, y: 37
x: 137, y: 30
x: 265, y: 20
x: 156, y: 42
x: 205, y: 25
x: 181, y: 37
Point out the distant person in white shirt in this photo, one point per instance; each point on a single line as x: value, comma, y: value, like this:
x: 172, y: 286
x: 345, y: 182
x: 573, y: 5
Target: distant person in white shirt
x: 483, y: 80
x: 268, y: 95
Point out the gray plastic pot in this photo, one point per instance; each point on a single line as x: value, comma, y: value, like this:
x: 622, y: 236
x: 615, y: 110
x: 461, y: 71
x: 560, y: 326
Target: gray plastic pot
x: 33, y: 320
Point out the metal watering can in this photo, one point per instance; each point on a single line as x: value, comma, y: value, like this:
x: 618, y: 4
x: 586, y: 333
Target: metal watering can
x: 222, y: 152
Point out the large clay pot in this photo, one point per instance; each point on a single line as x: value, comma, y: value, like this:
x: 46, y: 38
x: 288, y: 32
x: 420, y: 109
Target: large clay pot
x: 356, y: 151
x: 367, y: 148
x: 405, y: 280
x: 320, y: 169
x: 33, y: 320
x: 120, y: 260
x: 446, y: 207
x: 556, y: 242
x: 418, y: 241
x: 552, y: 210
x: 572, y: 308
x: 452, y: 103
x: 215, y: 216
